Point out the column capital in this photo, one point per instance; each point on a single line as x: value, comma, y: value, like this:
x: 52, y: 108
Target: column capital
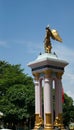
x: 59, y: 75
x: 47, y: 73
x: 36, y: 76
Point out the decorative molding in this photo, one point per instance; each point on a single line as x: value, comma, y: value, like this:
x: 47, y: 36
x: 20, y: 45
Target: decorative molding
x: 47, y: 73
x: 36, y: 75
x: 59, y: 75
x: 49, y: 67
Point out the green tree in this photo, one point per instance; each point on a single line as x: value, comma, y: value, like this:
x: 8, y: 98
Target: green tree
x: 16, y: 92
x: 68, y: 110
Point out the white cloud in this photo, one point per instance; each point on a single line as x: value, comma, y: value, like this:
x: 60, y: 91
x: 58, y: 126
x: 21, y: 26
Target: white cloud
x: 30, y: 46
x: 64, y: 52
x: 68, y: 84
x: 33, y: 48
x: 71, y: 94
x: 4, y: 44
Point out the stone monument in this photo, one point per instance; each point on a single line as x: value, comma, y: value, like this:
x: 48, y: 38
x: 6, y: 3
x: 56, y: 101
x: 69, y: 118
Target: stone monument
x: 49, y: 68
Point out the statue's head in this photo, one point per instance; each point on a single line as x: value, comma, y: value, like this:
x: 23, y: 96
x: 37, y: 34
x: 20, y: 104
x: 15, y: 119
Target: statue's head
x: 47, y: 27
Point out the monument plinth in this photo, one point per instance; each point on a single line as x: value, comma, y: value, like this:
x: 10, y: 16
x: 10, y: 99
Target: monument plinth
x: 48, y: 68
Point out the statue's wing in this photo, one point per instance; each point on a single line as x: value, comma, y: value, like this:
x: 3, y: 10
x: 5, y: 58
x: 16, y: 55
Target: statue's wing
x: 56, y: 35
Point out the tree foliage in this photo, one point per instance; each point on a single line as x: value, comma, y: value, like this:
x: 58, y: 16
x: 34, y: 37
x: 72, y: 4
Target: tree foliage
x: 16, y: 92
x: 68, y: 110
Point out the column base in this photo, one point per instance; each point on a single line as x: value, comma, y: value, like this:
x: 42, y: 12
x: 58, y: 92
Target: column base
x: 38, y: 122
x: 59, y: 122
x: 48, y: 125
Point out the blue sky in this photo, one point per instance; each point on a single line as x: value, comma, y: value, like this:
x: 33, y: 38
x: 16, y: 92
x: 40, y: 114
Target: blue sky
x: 22, y: 31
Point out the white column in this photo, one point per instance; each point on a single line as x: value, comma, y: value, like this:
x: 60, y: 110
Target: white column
x: 58, y: 94
x: 47, y: 100
x: 37, y: 97
x: 47, y: 96
x: 60, y: 104
x: 56, y: 97
x: 41, y: 98
x: 37, y: 100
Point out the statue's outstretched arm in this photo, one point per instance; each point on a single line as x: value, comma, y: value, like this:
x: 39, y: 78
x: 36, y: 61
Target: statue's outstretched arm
x: 56, y: 35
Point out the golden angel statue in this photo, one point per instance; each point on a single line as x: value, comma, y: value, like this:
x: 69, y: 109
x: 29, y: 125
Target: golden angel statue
x: 50, y: 34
